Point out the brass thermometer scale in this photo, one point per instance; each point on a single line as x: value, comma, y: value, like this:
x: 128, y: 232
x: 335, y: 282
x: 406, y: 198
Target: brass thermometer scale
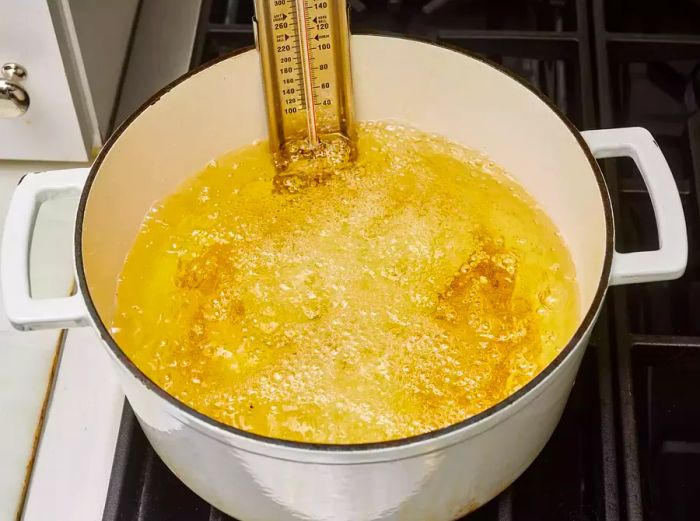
x: 305, y: 54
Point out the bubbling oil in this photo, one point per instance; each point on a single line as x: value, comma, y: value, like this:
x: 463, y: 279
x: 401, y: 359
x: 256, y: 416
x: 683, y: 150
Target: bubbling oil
x: 400, y: 293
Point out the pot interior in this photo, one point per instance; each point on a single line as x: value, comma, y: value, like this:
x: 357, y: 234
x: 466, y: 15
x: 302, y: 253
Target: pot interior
x: 435, y: 89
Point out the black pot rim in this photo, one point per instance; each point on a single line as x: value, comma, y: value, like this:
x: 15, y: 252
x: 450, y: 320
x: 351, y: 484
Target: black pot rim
x: 578, y: 336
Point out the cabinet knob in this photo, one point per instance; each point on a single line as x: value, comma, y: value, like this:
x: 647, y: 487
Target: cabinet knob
x: 14, y: 100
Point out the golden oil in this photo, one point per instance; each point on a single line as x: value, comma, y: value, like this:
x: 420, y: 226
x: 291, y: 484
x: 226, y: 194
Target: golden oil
x: 397, y: 294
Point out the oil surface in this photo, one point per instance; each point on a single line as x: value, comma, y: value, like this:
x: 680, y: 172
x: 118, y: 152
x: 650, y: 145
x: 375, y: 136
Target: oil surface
x: 403, y: 293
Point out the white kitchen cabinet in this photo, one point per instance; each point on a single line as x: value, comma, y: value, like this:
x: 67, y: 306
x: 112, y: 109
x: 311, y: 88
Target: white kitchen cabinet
x: 73, y: 53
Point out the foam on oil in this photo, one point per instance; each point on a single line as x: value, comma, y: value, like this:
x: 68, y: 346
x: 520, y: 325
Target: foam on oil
x: 404, y: 292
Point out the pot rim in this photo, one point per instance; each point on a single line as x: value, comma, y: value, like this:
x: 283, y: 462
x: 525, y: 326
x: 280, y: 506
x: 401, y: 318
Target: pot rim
x: 521, y: 393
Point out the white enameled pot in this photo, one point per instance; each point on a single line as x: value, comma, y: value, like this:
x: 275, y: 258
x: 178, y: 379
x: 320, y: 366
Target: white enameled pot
x: 438, y: 476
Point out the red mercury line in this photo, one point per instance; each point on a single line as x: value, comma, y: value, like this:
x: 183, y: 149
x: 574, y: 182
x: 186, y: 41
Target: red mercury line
x: 302, y: 19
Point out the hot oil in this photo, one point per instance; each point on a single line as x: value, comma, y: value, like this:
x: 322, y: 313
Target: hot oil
x: 402, y: 293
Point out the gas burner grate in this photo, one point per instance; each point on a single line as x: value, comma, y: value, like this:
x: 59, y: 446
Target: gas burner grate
x: 628, y: 445
x: 650, y: 79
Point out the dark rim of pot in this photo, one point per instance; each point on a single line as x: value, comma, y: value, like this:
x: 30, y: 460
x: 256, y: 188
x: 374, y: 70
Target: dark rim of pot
x: 558, y: 360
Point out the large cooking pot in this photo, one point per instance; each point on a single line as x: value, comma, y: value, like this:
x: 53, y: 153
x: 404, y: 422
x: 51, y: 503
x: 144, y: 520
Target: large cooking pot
x: 440, y: 475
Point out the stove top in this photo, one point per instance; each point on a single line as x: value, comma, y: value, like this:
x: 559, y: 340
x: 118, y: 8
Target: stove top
x: 628, y: 445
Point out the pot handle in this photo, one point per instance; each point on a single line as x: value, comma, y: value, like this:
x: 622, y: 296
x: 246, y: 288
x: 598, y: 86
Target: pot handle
x: 669, y: 261
x: 23, y: 311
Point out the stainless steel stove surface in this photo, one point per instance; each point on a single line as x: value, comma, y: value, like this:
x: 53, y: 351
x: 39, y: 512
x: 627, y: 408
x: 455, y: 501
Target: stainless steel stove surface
x: 628, y: 445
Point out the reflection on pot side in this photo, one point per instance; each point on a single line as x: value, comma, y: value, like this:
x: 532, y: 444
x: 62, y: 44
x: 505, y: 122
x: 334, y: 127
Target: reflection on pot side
x: 402, y: 293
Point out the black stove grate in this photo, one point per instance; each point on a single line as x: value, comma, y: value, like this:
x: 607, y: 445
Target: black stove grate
x: 628, y: 445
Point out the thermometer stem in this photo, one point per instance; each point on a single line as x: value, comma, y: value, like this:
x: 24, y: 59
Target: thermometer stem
x: 307, y: 70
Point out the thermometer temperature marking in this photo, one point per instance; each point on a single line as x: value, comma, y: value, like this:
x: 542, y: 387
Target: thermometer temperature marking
x: 307, y: 73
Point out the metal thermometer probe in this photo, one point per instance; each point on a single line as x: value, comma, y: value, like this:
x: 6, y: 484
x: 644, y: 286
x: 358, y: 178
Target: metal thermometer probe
x: 305, y: 53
